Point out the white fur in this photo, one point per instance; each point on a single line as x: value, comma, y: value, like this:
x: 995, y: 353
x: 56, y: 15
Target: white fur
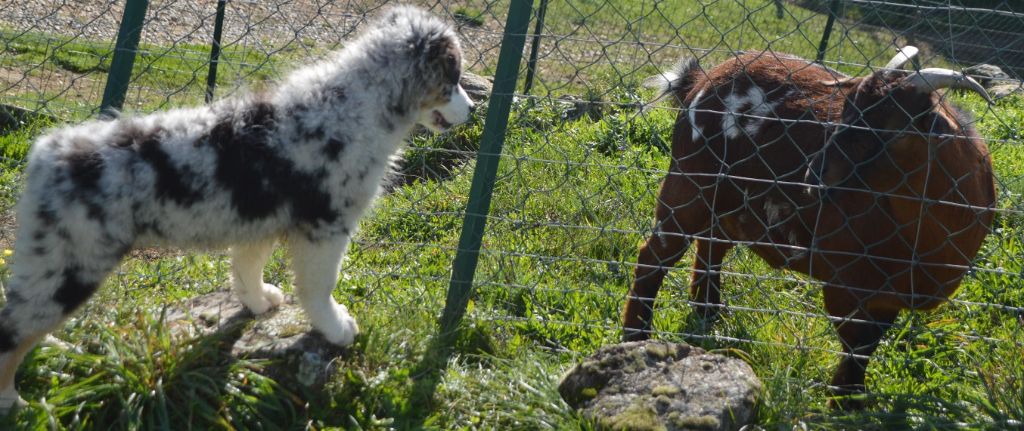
x: 698, y: 130
x: 751, y: 105
x: 301, y: 163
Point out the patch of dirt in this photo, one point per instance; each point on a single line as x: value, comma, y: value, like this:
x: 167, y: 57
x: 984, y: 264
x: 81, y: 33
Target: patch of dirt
x: 257, y: 24
x: 35, y: 82
x: 7, y: 225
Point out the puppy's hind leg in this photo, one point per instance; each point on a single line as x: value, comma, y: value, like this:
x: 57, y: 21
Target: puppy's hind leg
x: 247, y: 262
x: 316, y: 265
x: 39, y: 300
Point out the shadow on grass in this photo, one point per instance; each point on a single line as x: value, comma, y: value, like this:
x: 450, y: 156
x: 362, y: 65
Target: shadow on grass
x: 426, y: 377
x: 143, y: 377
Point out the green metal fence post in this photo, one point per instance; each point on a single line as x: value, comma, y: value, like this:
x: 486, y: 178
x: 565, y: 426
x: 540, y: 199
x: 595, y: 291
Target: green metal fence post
x: 125, y: 48
x: 468, y: 253
x: 833, y: 12
x: 218, y: 26
x: 531, y: 65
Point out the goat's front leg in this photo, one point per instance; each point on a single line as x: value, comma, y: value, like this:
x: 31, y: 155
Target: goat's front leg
x: 860, y: 331
x: 705, y: 289
x: 316, y: 265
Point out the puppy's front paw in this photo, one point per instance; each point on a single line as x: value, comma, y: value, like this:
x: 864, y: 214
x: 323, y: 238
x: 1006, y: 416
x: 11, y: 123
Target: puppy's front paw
x: 273, y: 295
x: 268, y: 297
x: 341, y: 330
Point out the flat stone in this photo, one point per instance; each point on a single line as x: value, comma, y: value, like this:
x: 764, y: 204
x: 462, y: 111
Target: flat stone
x: 477, y: 87
x: 987, y: 74
x: 283, y: 335
x: 656, y: 385
x: 1002, y: 90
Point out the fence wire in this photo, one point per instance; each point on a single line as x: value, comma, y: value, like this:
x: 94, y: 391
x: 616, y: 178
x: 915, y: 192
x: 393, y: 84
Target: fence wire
x: 580, y: 182
x: 579, y: 177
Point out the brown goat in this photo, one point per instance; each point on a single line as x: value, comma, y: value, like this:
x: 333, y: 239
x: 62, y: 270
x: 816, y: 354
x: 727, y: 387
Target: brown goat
x: 876, y: 185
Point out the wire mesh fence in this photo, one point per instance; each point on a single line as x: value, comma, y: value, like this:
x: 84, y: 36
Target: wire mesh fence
x: 579, y: 177
x: 579, y: 185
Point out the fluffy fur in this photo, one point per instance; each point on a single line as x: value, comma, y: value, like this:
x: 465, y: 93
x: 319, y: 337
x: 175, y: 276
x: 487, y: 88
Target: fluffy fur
x: 301, y: 162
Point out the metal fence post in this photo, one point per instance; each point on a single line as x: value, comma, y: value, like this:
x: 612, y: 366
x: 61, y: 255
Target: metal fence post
x: 218, y: 27
x: 488, y: 157
x: 125, y: 48
x: 833, y: 12
x: 531, y: 65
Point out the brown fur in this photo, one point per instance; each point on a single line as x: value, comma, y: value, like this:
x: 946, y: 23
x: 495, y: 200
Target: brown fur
x: 864, y: 228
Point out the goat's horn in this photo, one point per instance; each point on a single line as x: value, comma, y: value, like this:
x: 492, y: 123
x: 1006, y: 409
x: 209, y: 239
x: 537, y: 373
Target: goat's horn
x: 904, y: 55
x: 928, y: 80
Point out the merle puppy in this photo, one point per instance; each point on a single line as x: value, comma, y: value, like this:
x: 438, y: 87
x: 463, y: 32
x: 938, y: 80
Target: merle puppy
x: 301, y: 162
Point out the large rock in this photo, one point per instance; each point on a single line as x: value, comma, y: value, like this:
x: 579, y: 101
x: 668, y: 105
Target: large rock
x: 999, y: 84
x: 1002, y: 90
x: 987, y: 74
x: 283, y: 335
x: 477, y: 87
x: 656, y: 385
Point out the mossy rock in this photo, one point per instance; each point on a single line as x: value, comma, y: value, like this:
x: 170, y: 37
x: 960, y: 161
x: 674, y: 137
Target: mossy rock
x: 656, y: 385
x: 298, y: 357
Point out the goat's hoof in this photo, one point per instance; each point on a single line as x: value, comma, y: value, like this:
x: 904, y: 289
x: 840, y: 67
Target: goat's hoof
x: 634, y: 334
x: 708, y: 314
x: 850, y: 398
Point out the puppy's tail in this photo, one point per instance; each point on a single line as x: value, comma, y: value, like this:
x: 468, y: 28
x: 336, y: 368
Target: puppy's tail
x: 674, y: 83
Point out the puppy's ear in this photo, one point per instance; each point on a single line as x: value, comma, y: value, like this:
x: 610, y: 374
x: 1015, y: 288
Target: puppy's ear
x: 443, y: 53
x: 436, y: 47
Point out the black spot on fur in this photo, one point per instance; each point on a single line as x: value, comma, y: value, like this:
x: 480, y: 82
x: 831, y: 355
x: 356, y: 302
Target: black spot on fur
x: 148, y: 228
x: 170, y: 183
x: 74, y: 291
x: 64, y: 234
x: 14, y: 297
x: 39, y: 251
x: 131, y: 133
x: 259, y: 179
x: 397, y: 109
x: 85, y: 169
x: 315, y: 134
x: 339, y: 94
x: 38, y: 235
x: 334, y: 148
x: 94, y: 211
x: 7, y: 338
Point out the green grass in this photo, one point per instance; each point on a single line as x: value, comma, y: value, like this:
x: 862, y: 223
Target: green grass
x: 171, y: 75
x: 573, y: 203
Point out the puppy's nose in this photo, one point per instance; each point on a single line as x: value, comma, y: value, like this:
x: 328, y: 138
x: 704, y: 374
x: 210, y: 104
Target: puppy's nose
x: 472, y: 107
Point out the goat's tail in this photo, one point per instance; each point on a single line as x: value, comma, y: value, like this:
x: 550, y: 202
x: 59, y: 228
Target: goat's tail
x: 674, y: 83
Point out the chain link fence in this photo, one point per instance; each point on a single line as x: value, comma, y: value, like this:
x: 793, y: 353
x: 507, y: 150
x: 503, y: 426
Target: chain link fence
x: 578, y: 180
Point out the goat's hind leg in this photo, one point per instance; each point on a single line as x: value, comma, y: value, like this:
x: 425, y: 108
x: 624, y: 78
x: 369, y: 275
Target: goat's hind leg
x: 677, y: 215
